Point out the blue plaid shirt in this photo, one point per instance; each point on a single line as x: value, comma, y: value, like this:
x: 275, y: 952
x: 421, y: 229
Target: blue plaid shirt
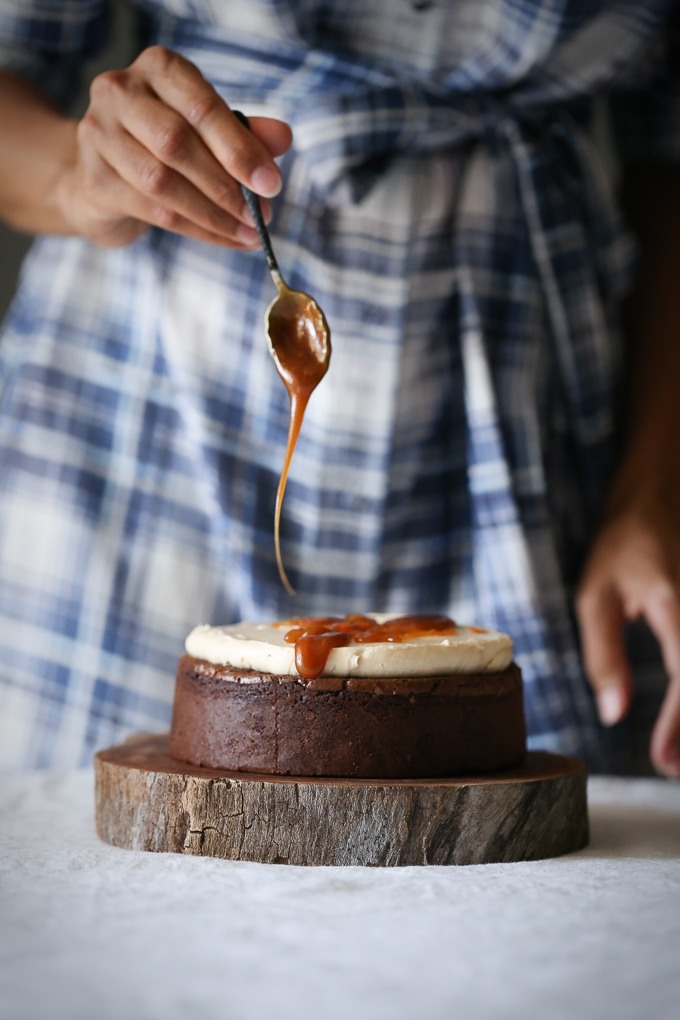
x: 445, y: 205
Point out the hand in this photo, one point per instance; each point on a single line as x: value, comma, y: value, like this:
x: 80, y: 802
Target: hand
x: 632, y: 572
x: 158, y: 146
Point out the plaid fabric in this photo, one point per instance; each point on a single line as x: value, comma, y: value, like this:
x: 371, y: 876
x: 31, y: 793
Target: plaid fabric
x: 445, y: 207
x: 47, y: 40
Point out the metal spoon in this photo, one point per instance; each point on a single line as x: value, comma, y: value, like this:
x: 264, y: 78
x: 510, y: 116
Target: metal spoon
x: 300, y: 344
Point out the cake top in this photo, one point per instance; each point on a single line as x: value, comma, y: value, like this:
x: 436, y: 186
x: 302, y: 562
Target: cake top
x: 371, y: 645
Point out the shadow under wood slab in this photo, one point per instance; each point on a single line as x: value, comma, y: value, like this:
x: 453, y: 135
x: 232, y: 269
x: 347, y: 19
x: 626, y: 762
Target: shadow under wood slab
x: 146, y: 800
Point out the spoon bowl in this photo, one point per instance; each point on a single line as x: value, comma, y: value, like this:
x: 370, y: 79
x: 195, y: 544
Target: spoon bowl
x: 298, y: 337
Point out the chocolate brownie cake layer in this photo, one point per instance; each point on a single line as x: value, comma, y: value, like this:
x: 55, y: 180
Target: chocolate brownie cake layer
x: 247, y: 721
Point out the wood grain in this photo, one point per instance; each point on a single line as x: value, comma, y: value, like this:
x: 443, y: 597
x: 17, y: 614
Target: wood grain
x: 146, y: 800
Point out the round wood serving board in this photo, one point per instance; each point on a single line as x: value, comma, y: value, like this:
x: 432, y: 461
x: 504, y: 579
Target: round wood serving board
x: 146, y: 800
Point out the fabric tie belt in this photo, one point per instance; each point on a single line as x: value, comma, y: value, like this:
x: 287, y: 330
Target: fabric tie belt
x: 350, y: 119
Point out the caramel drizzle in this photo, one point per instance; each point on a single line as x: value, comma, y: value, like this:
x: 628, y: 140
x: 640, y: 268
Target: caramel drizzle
x: 315, y: 637
x: 298, y: 405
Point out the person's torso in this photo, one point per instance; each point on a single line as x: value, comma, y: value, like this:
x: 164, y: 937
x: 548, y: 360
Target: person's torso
x: 566, y: 47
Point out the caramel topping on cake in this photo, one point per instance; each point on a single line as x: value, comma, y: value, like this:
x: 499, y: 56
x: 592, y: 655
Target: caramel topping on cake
x: 315, y: 637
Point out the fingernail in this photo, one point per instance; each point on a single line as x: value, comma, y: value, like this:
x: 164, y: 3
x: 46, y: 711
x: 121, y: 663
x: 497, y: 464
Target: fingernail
x: 610, y: 705
x: 247, y: 235
x: 266, y: 181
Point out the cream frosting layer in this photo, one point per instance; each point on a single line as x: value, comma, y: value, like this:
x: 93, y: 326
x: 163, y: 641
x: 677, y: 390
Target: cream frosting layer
x: 261, y: 647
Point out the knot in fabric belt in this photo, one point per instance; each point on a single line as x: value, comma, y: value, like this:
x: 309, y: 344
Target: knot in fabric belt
x: 348, y: 136
x: 351, y: 134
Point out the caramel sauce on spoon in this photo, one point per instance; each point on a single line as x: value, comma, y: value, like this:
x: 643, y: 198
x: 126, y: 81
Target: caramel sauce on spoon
x: 300, y: 344
x: 315, y: 637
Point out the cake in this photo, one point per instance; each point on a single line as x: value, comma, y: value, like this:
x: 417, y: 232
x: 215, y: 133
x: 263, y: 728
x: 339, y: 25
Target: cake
x: 375, y: 696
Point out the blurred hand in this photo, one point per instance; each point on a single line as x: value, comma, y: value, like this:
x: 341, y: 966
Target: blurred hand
x: 632, y: 572
x: 158, y: 146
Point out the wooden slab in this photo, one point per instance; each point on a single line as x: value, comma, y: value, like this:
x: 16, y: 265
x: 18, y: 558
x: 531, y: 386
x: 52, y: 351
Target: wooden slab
x: 146, y: 800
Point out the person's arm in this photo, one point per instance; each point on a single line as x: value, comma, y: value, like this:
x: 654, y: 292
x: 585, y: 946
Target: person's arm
x: 634, y: 566
x: 157, y: 146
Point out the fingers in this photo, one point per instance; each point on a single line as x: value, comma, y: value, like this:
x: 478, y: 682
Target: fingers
x: 169, y: 190
x: 241, y: 152
x: 169, y: 137
x: 631, y: 574
x: 164, y: 135
x: 600, y: 616
x: 665, y: 745
x: 134, y: 212
x: 662, y: 613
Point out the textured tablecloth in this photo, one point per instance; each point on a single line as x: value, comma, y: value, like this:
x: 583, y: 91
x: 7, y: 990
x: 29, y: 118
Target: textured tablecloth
x: 93, y: 932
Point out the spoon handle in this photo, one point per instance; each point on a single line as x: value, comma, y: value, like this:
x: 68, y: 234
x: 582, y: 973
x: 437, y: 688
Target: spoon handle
x: 253, y: 203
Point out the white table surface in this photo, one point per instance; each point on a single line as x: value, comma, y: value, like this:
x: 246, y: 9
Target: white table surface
x: 94, y: 932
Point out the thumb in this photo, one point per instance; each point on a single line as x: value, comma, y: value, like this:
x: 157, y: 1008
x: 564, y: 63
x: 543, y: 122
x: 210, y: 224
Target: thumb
x: 600, y: 616
x: 275, y: 134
